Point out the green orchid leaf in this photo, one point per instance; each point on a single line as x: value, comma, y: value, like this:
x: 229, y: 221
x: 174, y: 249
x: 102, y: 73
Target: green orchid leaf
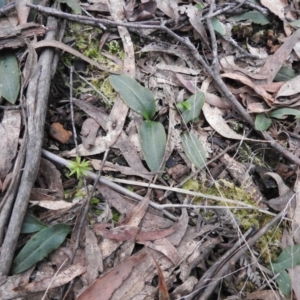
x: 153, y: 143
x: 39, y: 246
x: 288, y: 258
x: 191, y: 108
x: 9, y: 77
x: 284, y: 283
x: 32, y: 224
x: 262, y: 122
x: 193, y: 149
x: 282, y: 113
x: 73, y: 4
x: 137, y: 97
x: 296, y: 23
x: 285, y: 74
x: 218, y: 26
x: 255, y: 16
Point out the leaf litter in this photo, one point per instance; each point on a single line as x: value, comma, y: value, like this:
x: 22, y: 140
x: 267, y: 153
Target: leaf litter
x: 171, y: 242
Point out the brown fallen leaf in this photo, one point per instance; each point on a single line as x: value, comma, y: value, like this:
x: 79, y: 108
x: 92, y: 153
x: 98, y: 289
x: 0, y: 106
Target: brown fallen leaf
x: 163, y: 293
x: 275, y: 61
x: 63, y: 277
x: 112, y: 280
x: 257, y: 88
x: 127, y: 232
x: 58, y: 132
x: 280, y: 203
x: 166, y: 248
x: 111, y: 167
x: 93, y: 256
x: 89, y: 132
x: 53, y: 205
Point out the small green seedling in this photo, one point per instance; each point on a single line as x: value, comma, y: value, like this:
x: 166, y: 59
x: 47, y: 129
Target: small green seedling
x: 79, y: 167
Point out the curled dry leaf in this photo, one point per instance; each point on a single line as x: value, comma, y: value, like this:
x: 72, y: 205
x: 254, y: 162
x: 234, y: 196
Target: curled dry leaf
x: 195, y: 15
x: 282, y: 187
x: 275, y: 61
x: 214, y: 117
x: 89, y: 132
x: 53, y: 205
x: 289, y: 88
x: 170, y: 8
x: 257, y: 88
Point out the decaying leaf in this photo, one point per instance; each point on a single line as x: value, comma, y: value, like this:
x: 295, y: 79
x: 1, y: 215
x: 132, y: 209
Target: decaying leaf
x: 9, y: 135
x: 214, y: 117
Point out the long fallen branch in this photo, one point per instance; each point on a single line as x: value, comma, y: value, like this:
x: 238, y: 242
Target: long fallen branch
x: 235, y: 204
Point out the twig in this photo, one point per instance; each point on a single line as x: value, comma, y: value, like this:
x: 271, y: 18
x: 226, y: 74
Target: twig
x: 36, y: 105
x: 161, y: 207
x: 72, y: 111
x: 109, y: 183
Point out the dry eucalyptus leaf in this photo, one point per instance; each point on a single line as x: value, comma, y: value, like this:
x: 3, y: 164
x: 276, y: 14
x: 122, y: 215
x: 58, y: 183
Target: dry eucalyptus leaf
x: 9, y: 136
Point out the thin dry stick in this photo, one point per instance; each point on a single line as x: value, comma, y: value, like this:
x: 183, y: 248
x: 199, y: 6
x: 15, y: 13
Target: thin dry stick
x: 49, y: 286
x: 160, y: 207
x: 72, y: 111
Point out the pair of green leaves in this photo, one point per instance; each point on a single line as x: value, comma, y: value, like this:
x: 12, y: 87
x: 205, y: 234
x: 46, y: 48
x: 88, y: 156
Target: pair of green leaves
x: 289, y: 258
x: 46, y: 240
x: 152, y: 134
x: 263, y: 122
